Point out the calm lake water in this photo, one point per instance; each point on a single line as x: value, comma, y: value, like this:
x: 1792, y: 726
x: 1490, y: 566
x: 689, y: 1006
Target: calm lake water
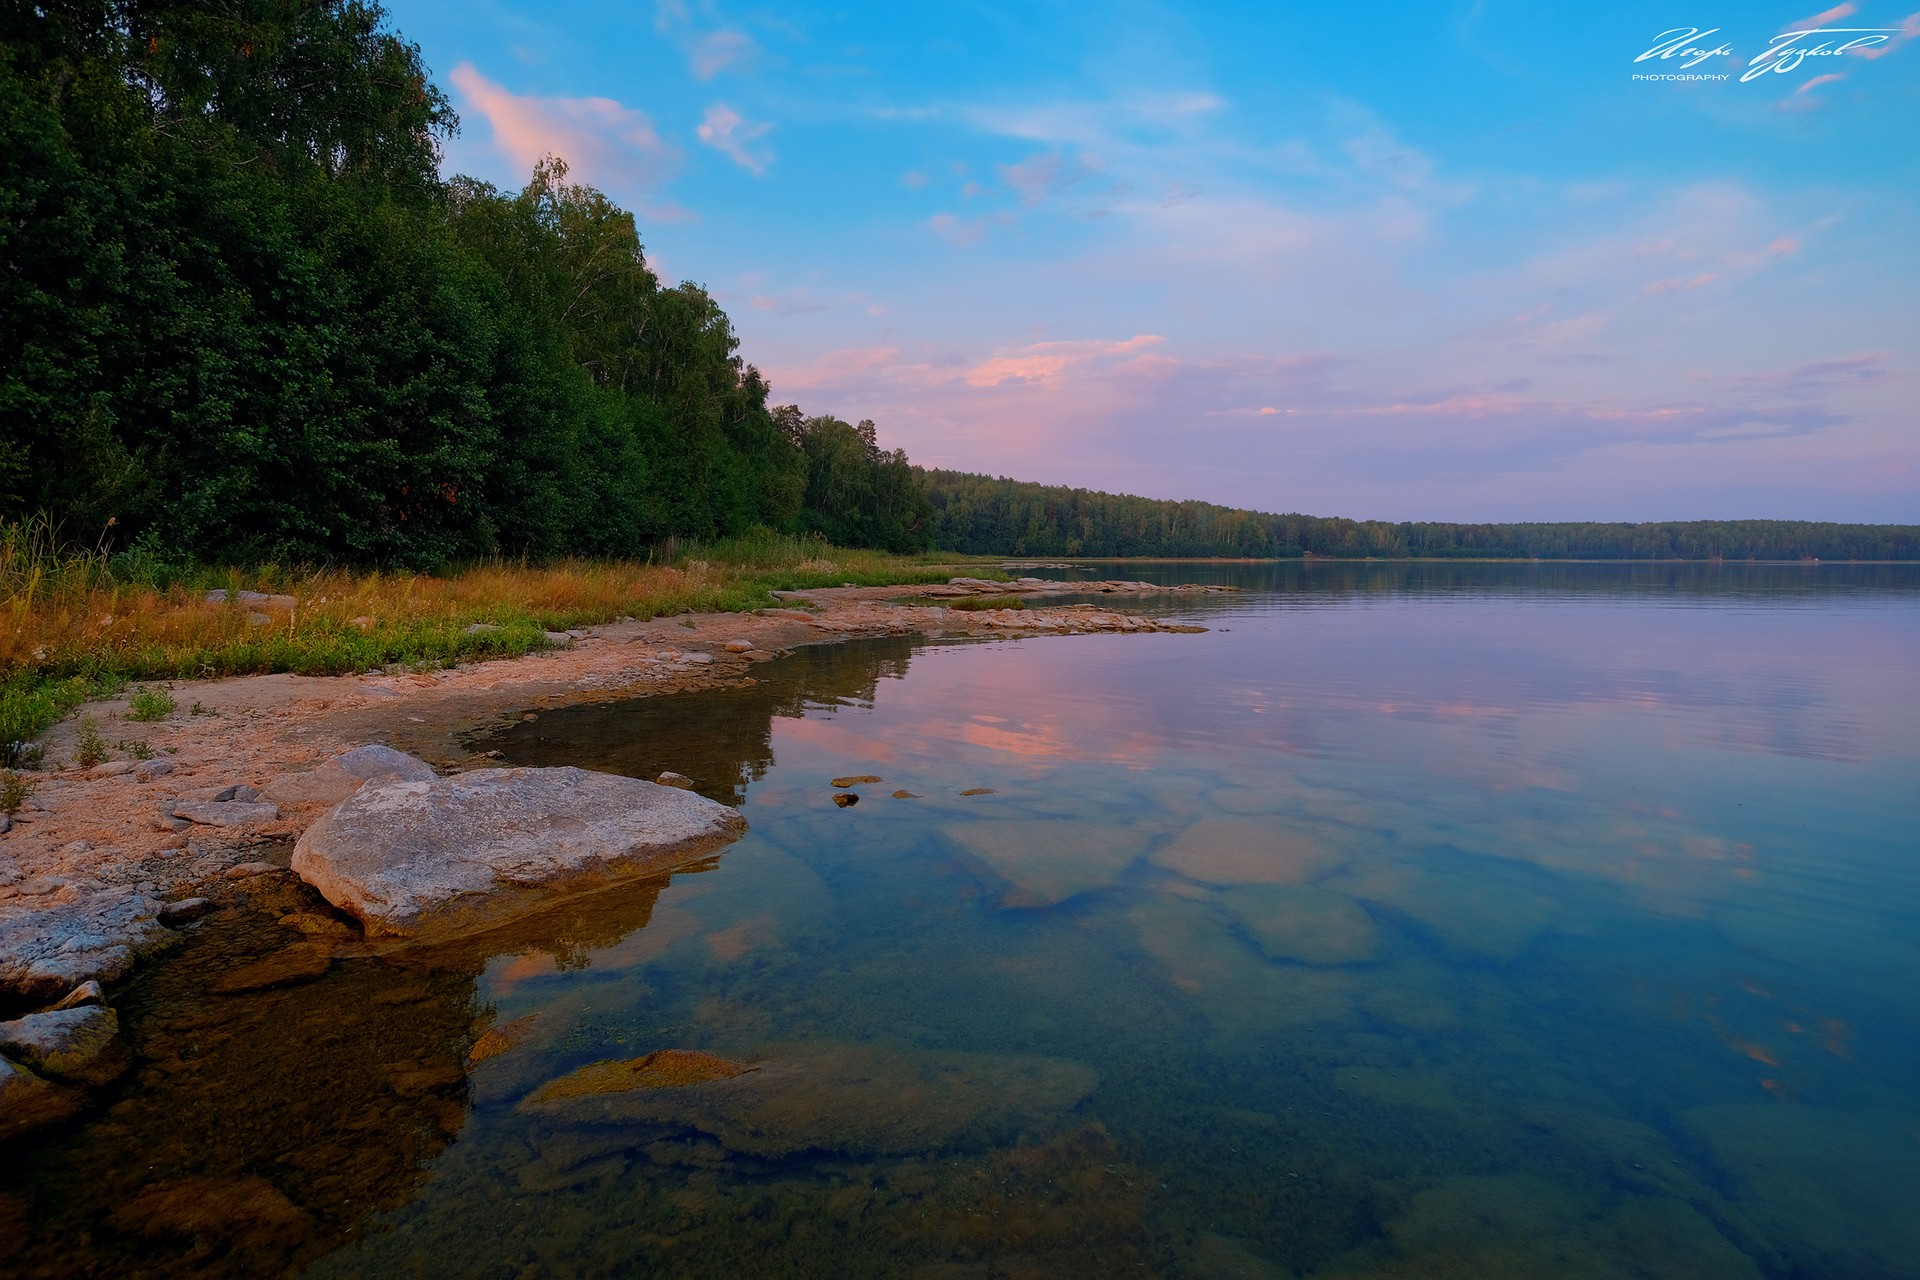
x: 1413, y: 921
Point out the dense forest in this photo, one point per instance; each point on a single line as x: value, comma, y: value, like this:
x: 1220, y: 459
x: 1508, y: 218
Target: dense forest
x: 243, y: 317
x: 977, y: 513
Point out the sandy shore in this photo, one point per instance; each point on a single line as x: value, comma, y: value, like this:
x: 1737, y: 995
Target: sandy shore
x: 99, y: 845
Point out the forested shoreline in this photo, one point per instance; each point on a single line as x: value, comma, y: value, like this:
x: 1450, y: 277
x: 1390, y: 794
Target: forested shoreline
x: 982, y: 514
x: 244, y: 320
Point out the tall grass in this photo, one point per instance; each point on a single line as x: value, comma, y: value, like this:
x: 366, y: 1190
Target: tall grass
x: 77, y: 622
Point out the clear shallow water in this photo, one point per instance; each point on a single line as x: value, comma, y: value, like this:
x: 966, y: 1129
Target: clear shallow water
x: 1414, y: 921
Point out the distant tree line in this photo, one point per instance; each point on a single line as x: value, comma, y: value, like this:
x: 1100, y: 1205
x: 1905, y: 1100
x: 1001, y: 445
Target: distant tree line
x: 978, y: 513
x: 242, y: 317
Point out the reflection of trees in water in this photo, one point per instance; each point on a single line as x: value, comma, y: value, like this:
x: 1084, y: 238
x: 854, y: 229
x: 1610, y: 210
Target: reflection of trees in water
x: 1775, y: 583
x: 260, y: 1130
x: 721, y: 738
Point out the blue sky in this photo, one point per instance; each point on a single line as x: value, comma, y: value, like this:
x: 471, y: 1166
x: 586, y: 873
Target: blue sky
x: 1430, y: 261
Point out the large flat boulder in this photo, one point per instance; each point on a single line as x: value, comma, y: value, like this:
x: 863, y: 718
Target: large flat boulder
x: 459, y: 855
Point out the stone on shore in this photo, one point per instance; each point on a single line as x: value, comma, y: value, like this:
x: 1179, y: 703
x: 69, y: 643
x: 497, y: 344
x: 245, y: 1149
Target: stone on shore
x: 226, y: 813
x: 45, y: 954
x: 458, y: 855
x: 346, y: 773
x: 78, y: 1046
x: 28, y: 1102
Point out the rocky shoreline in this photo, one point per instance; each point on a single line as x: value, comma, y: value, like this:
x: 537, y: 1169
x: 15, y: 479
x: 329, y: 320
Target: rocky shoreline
x: 102, y: 865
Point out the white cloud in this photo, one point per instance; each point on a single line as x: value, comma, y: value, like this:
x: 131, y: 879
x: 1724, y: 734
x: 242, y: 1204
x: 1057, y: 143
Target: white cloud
x: 727, y: 132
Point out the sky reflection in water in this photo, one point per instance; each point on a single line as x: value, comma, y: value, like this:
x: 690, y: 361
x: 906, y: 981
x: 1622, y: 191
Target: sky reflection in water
x: 1487, y: 921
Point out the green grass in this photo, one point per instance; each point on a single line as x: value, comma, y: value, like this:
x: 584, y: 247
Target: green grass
x: 150, y: 704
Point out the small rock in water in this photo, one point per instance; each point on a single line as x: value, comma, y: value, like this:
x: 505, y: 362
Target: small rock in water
x: 904, y: 794
x: 845, y: 799
x: 184, y: 910
x: 86, y: 993
x: 80, y: 1046
x: 855, y: 779
x: 248, y: 870
x: 672, y: 779
x: 979, y: 791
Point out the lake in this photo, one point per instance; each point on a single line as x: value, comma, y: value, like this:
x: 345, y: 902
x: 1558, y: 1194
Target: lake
x: 1412, y: 921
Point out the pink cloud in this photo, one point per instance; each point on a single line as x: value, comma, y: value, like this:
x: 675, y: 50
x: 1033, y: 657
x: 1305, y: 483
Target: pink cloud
x: 1909, y: 29
x: 603, y: 142
x: 1659, y: 287
x: 1822, y: 18
x: 1817, y: 81
x: 1783, y: 246
x: 725, y: 131
x: 1044, y: 362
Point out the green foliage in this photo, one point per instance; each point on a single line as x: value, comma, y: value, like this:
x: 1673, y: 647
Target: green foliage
x: 243, y: 320
x: 150, y: 704
x: 988, y: 515
x: 30, y: 701
x: 89, y: 748
x: 14, y: 791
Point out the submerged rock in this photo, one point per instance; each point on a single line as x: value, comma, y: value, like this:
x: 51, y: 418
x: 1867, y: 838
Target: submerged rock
x: 296, y: 963
x: 672, y: 779
x: 1237, y: 851
x: 856, y: 1099
x: 846, y: 799
x: 80, y: 1045
x: 28, y: 1102
x: 1299, y: 922
x: 461, y: 854
x: 1048, y: 861
x: 856, y: 779
x: 662, y: 1069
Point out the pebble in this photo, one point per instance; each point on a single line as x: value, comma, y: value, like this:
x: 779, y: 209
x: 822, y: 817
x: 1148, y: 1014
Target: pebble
x: 845, y: 799
x: 739, y: 646
x: 247, y: 870
x: 148, y: 770
x: 177, y: 913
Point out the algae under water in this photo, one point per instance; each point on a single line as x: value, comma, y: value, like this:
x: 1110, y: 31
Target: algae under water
x: 1463, y: 920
